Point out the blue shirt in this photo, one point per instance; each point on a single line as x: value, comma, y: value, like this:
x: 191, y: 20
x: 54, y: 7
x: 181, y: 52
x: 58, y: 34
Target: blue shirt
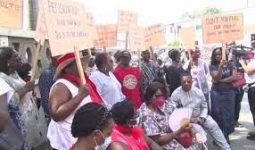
x: 45, y: 83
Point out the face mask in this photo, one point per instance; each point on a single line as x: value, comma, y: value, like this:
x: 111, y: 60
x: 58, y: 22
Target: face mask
x: 104, y: 146
x: 159, y: 101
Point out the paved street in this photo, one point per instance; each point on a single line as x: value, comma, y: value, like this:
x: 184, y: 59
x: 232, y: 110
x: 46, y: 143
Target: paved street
x: 238, y: 138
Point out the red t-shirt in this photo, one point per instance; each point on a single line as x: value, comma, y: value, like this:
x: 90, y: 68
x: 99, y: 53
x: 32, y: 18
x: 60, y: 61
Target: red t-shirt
x: 130, y: 80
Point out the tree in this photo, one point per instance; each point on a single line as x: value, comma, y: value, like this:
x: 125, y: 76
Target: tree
x: 200, y: 13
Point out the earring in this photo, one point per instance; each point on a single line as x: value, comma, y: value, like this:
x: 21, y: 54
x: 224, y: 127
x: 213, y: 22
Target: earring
x: 8, y: 65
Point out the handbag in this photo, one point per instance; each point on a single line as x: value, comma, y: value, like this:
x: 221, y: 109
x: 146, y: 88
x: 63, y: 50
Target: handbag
x: 239, y: 82
x: 185, y: 139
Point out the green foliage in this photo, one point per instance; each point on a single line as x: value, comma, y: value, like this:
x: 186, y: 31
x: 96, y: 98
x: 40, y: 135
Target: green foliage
x: 174, y: 44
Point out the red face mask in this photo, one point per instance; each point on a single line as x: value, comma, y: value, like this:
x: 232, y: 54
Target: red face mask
x: 159, y: 101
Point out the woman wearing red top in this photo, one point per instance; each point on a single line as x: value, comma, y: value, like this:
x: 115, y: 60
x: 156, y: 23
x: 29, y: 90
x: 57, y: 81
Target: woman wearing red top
x: 126, y: 135
x: 129, y: 77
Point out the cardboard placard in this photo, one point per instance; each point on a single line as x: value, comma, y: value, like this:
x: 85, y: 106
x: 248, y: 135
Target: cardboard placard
x: 136, y: 38
x: 107, y: 36
x: 222, y: 28
x: 187, y: 37
x: 125, y: 20
x: 91, y: 29
x: 66, y: 26
x: 154, y: 36
x: 41, y: 30
x: 11, y: 13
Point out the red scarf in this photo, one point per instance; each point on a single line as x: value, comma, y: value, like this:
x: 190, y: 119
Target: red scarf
x: 92, y: 88
x: 136, y: 132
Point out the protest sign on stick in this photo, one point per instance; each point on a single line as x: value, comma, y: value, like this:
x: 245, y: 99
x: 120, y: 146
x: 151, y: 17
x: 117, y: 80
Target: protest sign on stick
x: 125, y: 20
x: 154, y: 36
x: 187, y: 37
x: 136, y: 38
x: 37, y: 52
x: 66, y: 26
x: 79, y: 65
x: 41, y: 30
x: 222, y: 28
x: 11, y: 13
x: 107, y: 36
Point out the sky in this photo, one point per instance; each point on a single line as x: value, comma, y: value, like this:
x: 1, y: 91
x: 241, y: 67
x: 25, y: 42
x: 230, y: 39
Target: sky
x: 155, y: 11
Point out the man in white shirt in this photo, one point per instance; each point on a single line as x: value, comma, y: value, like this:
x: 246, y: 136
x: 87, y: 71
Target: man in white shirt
x: 189, y: 96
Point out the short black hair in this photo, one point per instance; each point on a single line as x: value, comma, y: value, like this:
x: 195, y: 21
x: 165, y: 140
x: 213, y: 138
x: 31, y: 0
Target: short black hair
x: 101, y: 60
x: 173, y: 54
x: 5, y: 54
x: 185, y: 74
x: 152, y: 89
x: 122, y: 111
x: 117, y: 56
x: 88, y: 118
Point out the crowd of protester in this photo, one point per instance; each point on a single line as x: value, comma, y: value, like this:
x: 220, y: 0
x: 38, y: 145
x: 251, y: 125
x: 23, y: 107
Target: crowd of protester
x: 121, y: 106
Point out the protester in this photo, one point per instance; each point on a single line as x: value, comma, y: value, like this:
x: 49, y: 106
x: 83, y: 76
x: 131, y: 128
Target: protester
x: 22, y: 106
x: 222, y: 94
x: 173, y: 72
x: 25, y: 71
x: 45, y: 83
x: 249, y: 69
x: 91, y: 66
x: 189, y: 96
x: 198, y: 70
x: 92, y: 125
x: 10, y: 135
x: 239, y: 92
x: 154, y: 115
x: 148, y: 71
x: 126, y: 134
x: 106, y: 83
x: 129, y: 77
x: 161, y: 69
x: 67, y: 95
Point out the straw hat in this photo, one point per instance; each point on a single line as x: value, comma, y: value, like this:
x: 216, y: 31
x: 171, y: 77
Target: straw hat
x: 66, y: 59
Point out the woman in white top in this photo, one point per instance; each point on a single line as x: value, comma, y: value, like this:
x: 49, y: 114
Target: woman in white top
x: 249, y: 69
x: 6, y: 93
x: 106, y: 83
x: 198, y: 71
x: 67, y: 95
x: 10, y: 135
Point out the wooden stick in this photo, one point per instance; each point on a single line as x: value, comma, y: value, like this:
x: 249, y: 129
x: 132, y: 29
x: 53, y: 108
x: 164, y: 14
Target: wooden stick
x: 139, y: 59
x: 79, y: 65
x: 37, y: 52
x: 223, y: 51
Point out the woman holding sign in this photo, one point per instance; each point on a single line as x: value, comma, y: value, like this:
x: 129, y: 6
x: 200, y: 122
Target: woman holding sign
x: 222, y: 94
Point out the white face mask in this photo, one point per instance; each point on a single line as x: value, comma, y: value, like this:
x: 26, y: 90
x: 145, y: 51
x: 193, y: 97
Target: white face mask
x: 104, y: 146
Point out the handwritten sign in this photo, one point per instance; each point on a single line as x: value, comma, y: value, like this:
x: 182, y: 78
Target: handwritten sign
x: 41, y: 30
x: 154, y: 36
x: 66, y: 26
x: 91, y: 29
x: 223, y: 28
x: 187, y: 37
x: 11, y: 13
x: 136, y: 38
x: 107, y: 36
x: 125, y: 20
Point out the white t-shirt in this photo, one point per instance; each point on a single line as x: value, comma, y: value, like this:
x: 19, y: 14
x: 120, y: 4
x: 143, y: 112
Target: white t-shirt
x: 108, y: 87
x: 250, y: 78
x: 6, y: 89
